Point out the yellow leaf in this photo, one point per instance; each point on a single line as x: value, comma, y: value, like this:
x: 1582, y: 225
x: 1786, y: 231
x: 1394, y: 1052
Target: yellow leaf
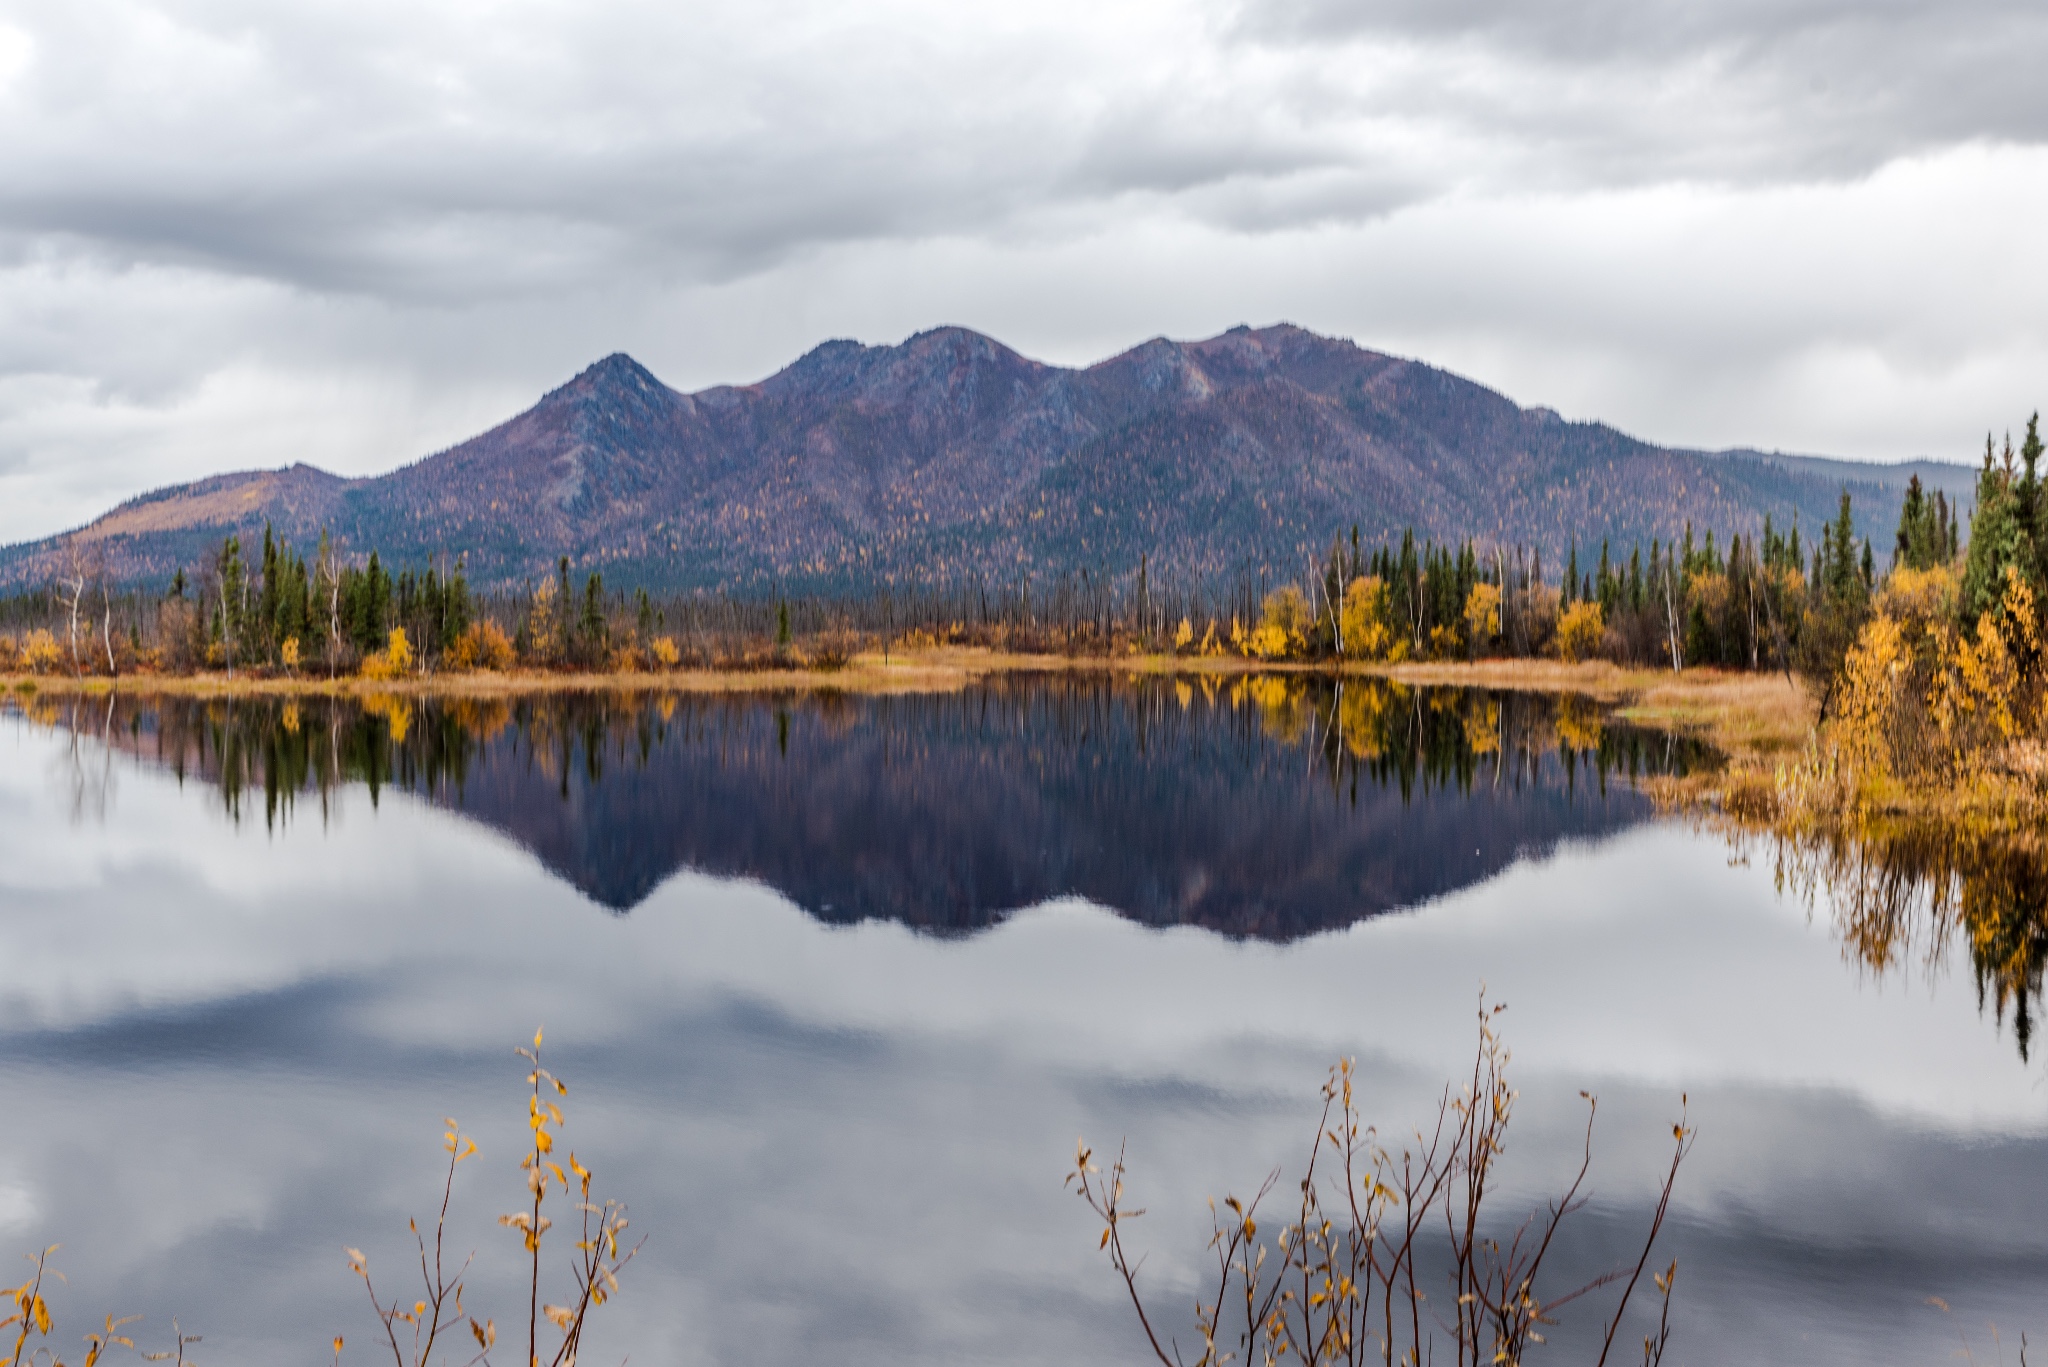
x: 559, y: 1315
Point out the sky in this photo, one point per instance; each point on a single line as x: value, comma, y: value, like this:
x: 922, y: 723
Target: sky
x: 240, y: 233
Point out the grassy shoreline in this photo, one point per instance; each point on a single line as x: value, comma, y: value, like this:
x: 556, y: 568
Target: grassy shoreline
x: 1757, y: 720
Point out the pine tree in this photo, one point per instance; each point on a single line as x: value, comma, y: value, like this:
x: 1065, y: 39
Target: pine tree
x: 1997, y: 538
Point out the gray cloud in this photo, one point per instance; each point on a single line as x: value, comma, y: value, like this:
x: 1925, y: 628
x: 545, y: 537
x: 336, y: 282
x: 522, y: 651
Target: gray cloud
x: 1612, y: 92
x: 235, y: 233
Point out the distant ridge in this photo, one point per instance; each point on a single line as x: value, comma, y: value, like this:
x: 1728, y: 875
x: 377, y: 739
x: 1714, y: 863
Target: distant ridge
x: 951, y: 455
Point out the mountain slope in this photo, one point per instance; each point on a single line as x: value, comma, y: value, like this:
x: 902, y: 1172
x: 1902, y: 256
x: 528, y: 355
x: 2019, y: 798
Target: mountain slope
x: 951, y: 454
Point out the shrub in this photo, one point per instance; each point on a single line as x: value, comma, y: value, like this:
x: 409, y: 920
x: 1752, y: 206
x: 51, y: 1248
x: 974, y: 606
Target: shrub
x: 1283, y: 625
x: 1335, y: 1282
x: 1482, y: 615
x: 391, y: 662
x: 40, y: 651
x: 483, y: 645
x: 1579, y: 629
x: 665, y: 652
x: 410, y: 1331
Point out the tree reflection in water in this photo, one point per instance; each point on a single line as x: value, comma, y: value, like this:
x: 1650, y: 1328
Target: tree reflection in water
x: 1902, y: 893
x: 1267, y: 806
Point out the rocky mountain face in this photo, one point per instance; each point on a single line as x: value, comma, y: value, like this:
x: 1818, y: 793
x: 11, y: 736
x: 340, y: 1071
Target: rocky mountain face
x: 951, y: 455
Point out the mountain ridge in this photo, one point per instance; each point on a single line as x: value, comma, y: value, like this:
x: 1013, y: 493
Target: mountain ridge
x: 950, y: 454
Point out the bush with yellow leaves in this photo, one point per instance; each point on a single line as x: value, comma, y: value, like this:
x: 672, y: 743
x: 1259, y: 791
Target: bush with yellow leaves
x: 418, y: 1333
x: 1366, y: 617
x: 482, y: 645
x: 411, y: 1332
x: 1482, y: 616
x: 1329, y: 1280
x: 40, y: 651
x: 392, y: 662
x: 1579, y: 629
x: 1283, y: 626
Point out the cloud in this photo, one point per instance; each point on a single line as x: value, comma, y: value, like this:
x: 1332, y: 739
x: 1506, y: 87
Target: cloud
x: 1613, y: 92
x: 231, y: 231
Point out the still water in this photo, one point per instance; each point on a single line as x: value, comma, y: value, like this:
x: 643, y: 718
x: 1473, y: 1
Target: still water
x: 837, y: 982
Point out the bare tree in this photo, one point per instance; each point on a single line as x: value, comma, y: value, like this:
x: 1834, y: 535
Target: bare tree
x: 71, y: 584
x: 1339, y: 1285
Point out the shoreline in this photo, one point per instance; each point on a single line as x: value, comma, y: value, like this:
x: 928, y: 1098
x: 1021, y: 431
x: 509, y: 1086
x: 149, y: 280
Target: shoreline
x: 1755, y: 719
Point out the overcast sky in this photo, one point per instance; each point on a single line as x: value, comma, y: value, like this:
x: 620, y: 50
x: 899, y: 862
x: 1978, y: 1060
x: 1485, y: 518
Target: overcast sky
x: 247, y: 232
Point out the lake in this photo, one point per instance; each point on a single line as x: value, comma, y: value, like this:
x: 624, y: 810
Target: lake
x: 836, y: 982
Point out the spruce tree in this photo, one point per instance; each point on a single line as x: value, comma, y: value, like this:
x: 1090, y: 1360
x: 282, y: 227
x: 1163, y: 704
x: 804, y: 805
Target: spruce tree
x: 1997, y: 538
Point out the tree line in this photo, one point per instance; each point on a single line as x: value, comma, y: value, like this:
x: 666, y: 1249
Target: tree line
x: 1767, y: 599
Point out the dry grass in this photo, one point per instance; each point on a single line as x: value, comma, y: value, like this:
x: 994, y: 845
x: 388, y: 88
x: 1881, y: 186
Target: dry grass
x: 932, y: 669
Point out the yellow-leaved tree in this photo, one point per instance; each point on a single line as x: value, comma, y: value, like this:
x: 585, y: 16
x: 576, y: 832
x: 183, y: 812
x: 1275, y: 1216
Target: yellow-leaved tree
x: 392, y: 661
x: 482, y: 645
x: 1482, y: 616
x: 1283, y: 625
x: 40, y: 652
x: 1365, y: 616
x: 1579, y: 628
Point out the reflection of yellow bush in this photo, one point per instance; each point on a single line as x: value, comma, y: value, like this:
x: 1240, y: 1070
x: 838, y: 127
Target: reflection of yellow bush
x: 1362, y: 718
x: 394, y: 708
x: 1578, y: 723
x: 481, y: 718
x: 1482, y: 727
x: 1579, y: 628
x: 1281, y: 711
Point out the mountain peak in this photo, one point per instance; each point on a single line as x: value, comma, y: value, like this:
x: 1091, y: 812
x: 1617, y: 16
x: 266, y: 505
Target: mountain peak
x: 949, y: 454
x: 616, y: 375
x: 619, y: 368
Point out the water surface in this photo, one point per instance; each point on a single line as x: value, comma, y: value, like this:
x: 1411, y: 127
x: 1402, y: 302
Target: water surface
x: 837, y: 983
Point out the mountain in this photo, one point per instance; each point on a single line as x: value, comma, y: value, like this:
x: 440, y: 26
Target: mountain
x: 951, y: 455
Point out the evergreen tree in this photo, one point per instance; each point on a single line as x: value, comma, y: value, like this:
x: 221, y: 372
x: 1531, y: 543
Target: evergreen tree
x: 1922, y: 537
x: 592, y: 631
x: 1998, y: 539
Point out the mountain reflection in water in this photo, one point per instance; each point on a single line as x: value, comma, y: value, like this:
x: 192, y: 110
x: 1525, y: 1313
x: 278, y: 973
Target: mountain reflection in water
x: 1266, y: 807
